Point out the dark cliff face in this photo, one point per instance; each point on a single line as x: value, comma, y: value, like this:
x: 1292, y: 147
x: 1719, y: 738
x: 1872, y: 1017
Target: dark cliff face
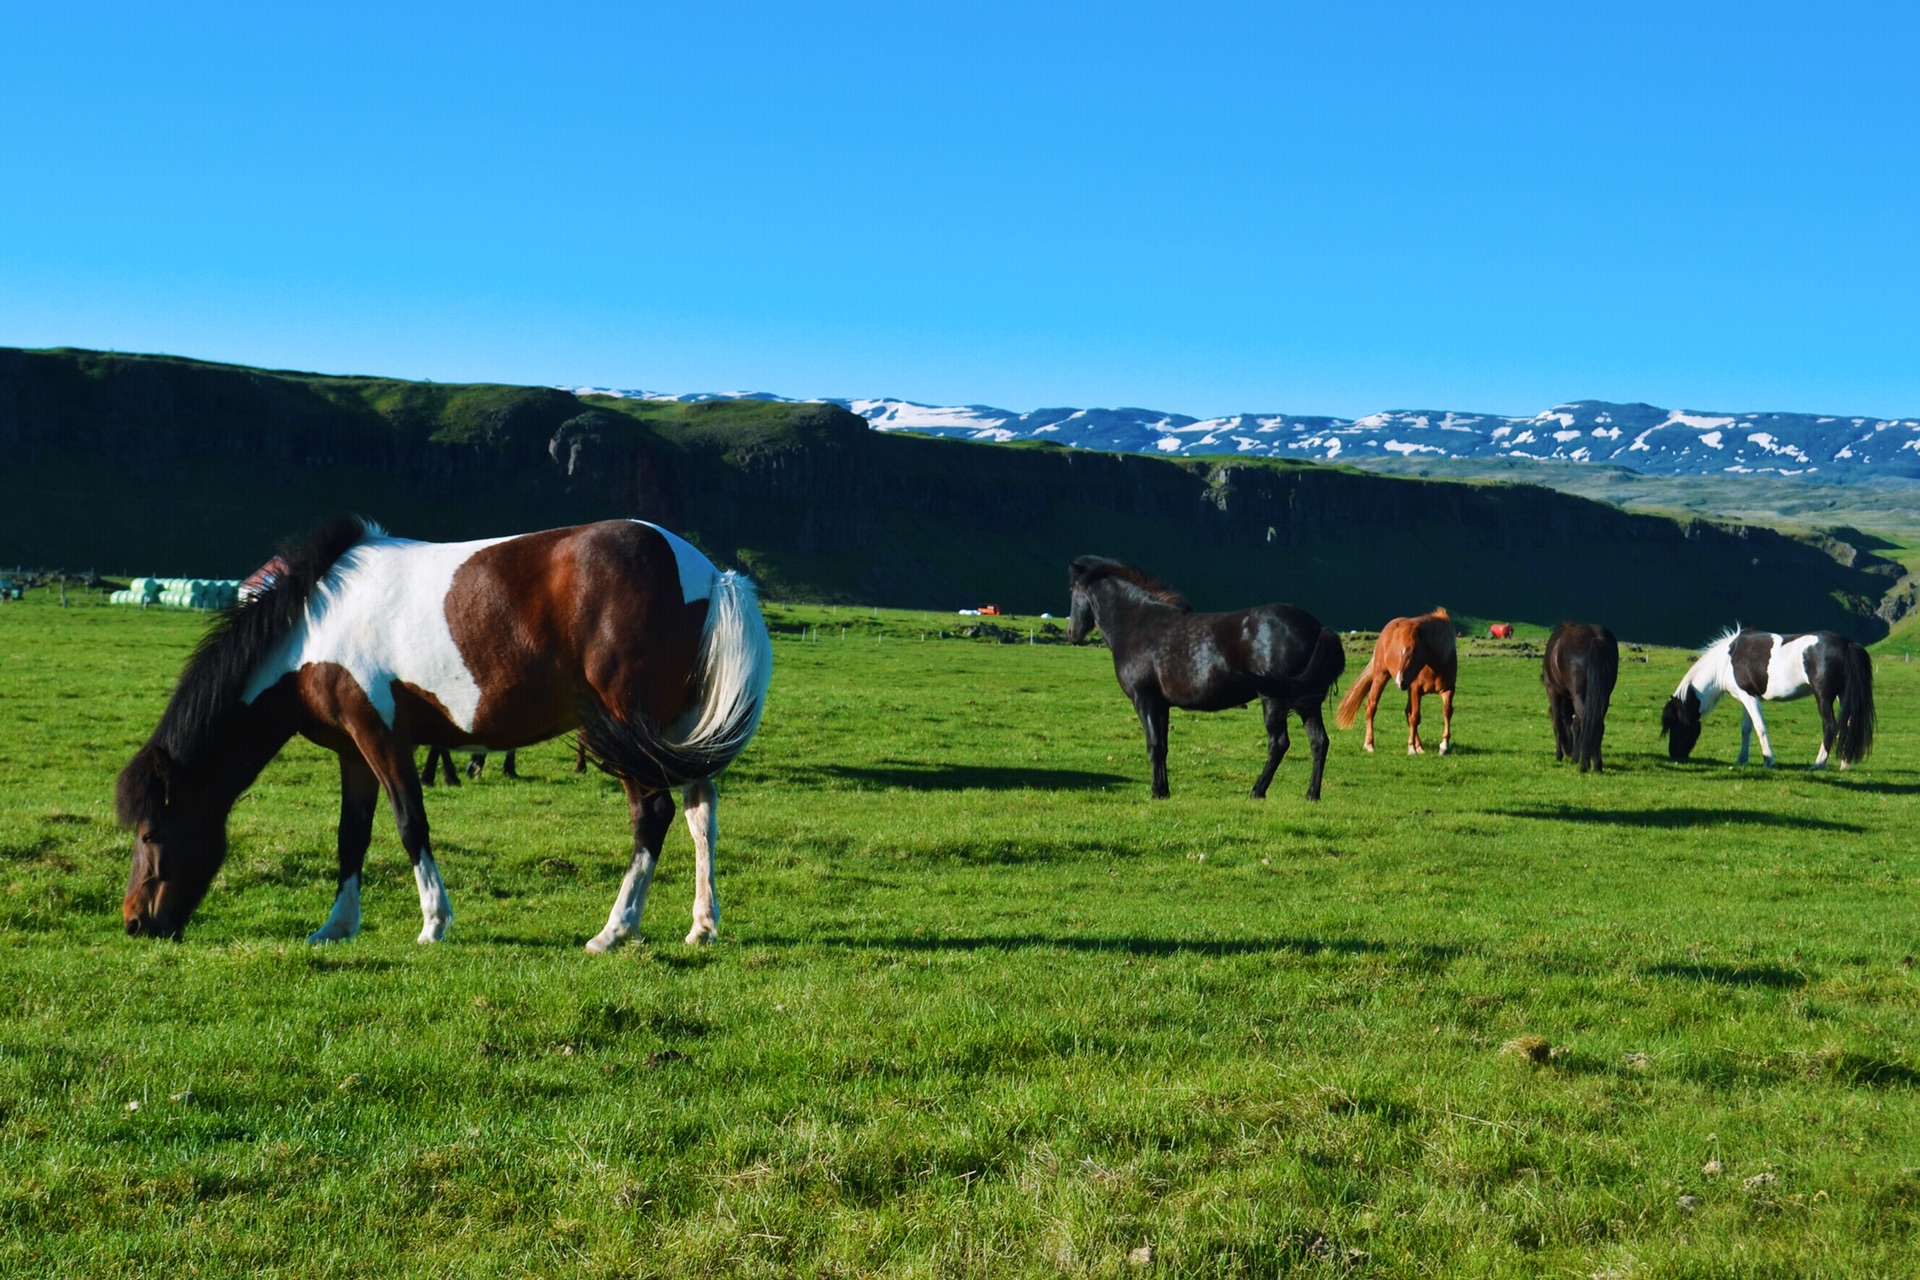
x: 150, y: 464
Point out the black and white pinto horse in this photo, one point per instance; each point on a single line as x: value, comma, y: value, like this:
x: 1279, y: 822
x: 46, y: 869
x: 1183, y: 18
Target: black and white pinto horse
x: 1166, y: 655
x: 1751, y: 666
x: 1579, y: 668
x: 370, y: 645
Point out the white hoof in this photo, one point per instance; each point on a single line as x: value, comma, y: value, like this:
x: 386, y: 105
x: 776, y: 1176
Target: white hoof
x: 604, y: 941
x: 1446, y: 745
x: 1415, y: 751
x: 434, y: 930
x: 344, y: 920
x: 333, y: 931
x: 1369, y: 748
x: 703, y: 935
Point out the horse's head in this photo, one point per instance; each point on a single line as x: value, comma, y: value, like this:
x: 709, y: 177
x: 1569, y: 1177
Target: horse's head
x: 177, y: 846
x: 1080, y: 619
x: 1680, y: 722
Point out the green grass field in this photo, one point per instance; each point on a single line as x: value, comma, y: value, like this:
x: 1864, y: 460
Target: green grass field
x: 981, y: 1007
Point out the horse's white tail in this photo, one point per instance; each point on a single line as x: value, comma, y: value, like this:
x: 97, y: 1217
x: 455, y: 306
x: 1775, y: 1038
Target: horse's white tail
x: 733, y: 671
x: 736, y: 666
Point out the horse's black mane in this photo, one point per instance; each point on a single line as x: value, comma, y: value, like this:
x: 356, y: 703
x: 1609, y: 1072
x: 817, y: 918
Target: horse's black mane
x: 1088, y: 570
x: 239, y: 639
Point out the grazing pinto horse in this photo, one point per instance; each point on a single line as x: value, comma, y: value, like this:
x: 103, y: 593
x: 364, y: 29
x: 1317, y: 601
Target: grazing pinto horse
x: 1166, y: 655
x: 1417, y: 655
x: 1581, y: 664
x: 369, y: 644
x: 1749, y: 666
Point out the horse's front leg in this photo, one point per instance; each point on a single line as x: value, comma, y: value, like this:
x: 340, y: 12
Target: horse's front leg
x: 1446, y: 721
x: 702, y: 800
x: 1754, y: 726
x: 651, y: 814
x: 359, y: 797
x: 1154, y: 718
x: 1414, y: 745
x: 392, y: 763
x: 1275, y: 714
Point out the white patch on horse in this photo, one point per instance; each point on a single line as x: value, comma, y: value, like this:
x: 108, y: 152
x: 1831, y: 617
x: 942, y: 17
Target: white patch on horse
x: 381, y: 614
x: 1787, y: 671
x: 696, y: 571
x: 344, y: 920
x: 436, y: 913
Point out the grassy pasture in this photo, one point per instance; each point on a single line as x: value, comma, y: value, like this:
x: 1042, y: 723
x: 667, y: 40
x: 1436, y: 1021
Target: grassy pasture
x: 981, y: 1007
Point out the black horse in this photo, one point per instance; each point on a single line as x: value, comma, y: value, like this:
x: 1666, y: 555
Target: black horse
x: 441, y: 759
x: 1581, y: 664
x: 1166, y: 655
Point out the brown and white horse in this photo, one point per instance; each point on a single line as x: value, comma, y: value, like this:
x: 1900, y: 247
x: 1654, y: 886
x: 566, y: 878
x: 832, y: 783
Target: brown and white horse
x: 368, y: 645
x: 1417, y: 655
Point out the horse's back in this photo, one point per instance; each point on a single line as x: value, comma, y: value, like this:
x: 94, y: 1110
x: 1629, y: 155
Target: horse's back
x: 503, y: 635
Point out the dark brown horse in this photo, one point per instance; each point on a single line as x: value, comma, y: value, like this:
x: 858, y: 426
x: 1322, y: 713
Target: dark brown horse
x: 1166, y: 655
x: 369, y: 645
x: 1417, y: 655
x: 1579, y: 668
x: 441, y: 759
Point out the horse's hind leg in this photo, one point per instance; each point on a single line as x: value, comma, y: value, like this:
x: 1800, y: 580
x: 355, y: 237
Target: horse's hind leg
x: 1560, y: 711
x: 1317, y: 739
x: 359, y: 798
x: 1414, y: 745
x: 651, y: 815
x: 1446, y: 721
x: 1373, y: 704
x: 1275, y: 713
x: 1829, y: 726
x: 702, y: 801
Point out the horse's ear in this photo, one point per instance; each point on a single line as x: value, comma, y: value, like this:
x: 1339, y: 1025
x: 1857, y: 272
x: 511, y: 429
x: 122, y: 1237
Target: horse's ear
x: 144, y: 785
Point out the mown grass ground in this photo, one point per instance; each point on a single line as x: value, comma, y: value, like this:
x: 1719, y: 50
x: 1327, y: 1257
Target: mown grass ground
x: 980, y: 1007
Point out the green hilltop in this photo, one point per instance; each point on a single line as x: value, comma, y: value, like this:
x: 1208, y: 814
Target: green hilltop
x: 169, y: 466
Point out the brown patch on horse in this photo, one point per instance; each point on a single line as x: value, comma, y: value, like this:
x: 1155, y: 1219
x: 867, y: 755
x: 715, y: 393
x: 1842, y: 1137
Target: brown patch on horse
x: 563, y: 592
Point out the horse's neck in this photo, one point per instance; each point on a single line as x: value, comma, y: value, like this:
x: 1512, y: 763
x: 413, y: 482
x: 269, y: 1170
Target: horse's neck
x: 243, y: 746
x: 1116, y: 609
x: 1708, y: 678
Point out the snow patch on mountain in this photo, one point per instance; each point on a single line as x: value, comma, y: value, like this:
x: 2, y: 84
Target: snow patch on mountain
x: 1643, y: 436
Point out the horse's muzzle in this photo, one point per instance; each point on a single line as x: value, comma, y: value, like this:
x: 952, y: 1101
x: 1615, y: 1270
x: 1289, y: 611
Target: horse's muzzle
x: 154, y: 927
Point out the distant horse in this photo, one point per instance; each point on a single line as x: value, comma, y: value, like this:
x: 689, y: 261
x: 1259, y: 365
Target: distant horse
x: 441, y: 758
x: 368, y: 644
x: 1749, y: 666
x: 1582, y: 663
x: 1166, y: 655
x: 1417, y: 655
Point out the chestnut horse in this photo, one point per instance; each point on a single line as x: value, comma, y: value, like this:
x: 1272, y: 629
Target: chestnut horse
x: 1579, y: 669
x: 1417, y: 655
x: 369, y: 644
x: 1166, y: 655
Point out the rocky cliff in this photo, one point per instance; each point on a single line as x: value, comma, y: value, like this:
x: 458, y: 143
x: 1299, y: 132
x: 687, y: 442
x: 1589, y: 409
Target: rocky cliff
x: 162, y: 465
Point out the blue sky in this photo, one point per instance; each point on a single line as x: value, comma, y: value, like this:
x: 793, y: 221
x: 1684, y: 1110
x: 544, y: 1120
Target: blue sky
x: 1206, y: 208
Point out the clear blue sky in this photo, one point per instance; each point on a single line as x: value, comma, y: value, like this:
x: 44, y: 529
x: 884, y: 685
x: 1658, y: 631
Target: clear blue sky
x: 1207, y: 208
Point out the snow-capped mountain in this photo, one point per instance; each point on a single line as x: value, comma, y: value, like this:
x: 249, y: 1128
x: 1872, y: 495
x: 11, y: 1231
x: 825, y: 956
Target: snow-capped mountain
x: 1640, y: 436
